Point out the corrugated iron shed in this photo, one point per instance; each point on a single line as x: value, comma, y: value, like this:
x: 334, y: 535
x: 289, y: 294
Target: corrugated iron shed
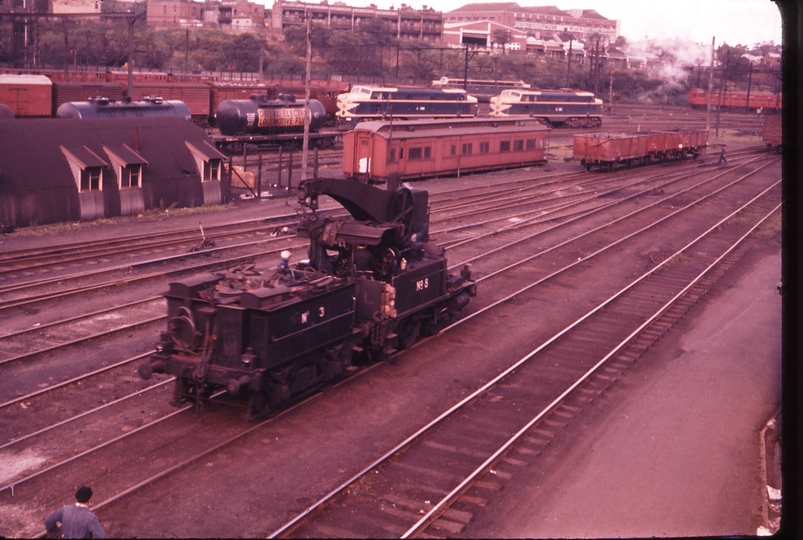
x: 38, y: 185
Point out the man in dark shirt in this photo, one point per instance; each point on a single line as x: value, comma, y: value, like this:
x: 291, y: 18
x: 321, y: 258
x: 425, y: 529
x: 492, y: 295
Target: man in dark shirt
x: 722, y: 155
x: 77, y: 521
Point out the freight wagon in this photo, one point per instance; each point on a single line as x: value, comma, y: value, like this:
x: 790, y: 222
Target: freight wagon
x: 27, y: 95
x: 70, y: 92
x: 772, y: 132
x: 430, y: 148
x: 608, y: 150
x: 735, y: 100
x: 195, y: 95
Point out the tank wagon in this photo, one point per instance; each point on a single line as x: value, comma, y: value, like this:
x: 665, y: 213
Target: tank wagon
x: 377, y: 103
x: 262, y: 115
x: 569, y: 108
x: 373, y: 283
x: 609, y: 150
x: 735, y: 100
x: 264, y: 122
x: 105, y: 108
x: 416, y: 149
x: 772, y: 132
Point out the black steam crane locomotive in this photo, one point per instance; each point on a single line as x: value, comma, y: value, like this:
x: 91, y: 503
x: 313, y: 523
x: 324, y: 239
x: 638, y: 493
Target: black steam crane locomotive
x: 372, y: 284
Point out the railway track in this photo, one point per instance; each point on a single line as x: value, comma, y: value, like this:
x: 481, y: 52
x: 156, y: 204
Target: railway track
x: 469, y: 448
x: 224, y: 407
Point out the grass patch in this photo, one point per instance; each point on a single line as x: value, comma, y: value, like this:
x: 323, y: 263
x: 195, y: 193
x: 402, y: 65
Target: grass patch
x: 153, y: 214
x: 747, y: 137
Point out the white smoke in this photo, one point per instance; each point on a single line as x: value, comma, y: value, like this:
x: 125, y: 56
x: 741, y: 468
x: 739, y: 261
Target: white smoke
x: 666, y: 60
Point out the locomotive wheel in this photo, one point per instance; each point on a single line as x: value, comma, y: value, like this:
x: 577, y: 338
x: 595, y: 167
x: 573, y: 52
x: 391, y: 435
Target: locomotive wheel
x: 408, y: 334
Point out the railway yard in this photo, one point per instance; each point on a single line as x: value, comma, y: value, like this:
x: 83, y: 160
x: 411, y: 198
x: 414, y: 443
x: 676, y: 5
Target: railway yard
x: 589, y: 285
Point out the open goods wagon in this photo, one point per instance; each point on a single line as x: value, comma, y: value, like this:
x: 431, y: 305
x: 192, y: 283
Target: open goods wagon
x: 608, y: 150
x: 772, y: 133
x: 430, y: 148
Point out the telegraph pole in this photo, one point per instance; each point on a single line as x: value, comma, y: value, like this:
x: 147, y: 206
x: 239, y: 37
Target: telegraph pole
x: 305, y: 148
x: 131, y: 57
x: 569, y: 67
x: 710, y: 87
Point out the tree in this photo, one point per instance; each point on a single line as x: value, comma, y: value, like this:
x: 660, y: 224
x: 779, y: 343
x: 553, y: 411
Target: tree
x: 500, y: 36
x: 242, y: 53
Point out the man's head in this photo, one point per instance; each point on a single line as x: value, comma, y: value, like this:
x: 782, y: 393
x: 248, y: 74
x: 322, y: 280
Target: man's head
x: 83, y: 494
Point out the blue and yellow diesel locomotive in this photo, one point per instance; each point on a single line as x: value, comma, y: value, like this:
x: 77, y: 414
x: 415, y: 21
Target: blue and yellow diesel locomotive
x: 569, y: 108
x: 378, y: 103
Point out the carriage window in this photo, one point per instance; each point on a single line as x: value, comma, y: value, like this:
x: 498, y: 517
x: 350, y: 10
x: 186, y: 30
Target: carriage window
x: 530, y: 144
x: 518, y: 145
x: 504, y: 146
x: 467, y: 147
x: 415, y: 153
x: 427, y: 152
x: 392, y: 154
x: 453, y: 149
x: 485, y: 147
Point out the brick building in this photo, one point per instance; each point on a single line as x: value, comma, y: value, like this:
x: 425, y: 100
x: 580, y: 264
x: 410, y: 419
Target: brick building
x: 171, y: 13
x: 540, y: 22
x: 405, y: 23
x: 237, y: 15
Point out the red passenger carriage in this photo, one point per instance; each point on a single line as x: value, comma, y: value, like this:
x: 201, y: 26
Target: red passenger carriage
x: 430, y: 148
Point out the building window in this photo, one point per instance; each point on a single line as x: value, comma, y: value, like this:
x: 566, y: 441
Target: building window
x: 86, y: 166
x: 127, y: 164
x: 504, y: 146
x: 91, y: 179
x: 208, y: 160
x: 485, y: 147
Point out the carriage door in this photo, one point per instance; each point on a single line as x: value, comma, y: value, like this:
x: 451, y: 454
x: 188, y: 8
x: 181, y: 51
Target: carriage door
x: 362, y: 155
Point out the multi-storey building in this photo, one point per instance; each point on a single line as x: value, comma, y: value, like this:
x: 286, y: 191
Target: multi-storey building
x: 405, y: 23
x: 238, y: 15
x: 166, y: 13
x: 540, y: 22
